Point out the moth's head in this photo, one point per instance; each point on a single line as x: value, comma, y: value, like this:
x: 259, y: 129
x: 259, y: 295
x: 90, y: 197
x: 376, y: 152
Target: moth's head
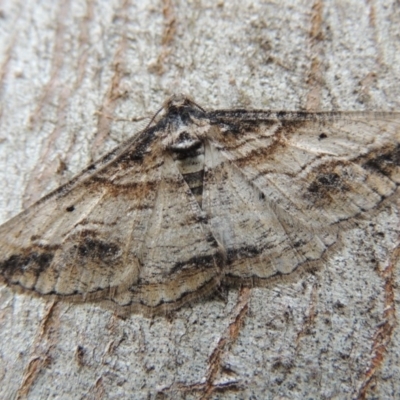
x: 179, y: 102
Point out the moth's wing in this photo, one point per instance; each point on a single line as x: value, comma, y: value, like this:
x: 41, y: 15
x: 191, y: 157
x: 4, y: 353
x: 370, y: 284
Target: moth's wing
x: 277, y: 185
x: 98, y: 236
x: 77, y: 241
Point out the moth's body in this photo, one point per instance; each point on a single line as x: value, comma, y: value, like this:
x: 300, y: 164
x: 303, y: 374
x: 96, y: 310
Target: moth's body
x: 201, y: 198
x: 187, y: 151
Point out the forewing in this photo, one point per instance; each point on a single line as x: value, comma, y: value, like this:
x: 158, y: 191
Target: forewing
x: 81, y: 240
x: 285, y: 181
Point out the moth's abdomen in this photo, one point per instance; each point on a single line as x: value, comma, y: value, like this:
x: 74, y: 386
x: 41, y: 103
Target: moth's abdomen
x: 188, y: 154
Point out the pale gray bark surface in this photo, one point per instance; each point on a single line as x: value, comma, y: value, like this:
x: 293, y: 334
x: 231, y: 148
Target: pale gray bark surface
x: 74, y: 74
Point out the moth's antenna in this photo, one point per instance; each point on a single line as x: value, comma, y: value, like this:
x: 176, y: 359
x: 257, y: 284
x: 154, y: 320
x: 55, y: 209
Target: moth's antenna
x: 195, y: 104
x: 154, y: 117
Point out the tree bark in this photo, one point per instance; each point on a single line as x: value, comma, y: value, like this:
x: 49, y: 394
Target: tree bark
x: 78, y: 77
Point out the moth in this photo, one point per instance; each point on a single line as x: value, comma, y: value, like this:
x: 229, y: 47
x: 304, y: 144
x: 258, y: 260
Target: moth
x: 200, y: 198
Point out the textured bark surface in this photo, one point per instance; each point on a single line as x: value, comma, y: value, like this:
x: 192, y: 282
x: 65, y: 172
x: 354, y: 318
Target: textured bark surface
x: 76, y: 79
